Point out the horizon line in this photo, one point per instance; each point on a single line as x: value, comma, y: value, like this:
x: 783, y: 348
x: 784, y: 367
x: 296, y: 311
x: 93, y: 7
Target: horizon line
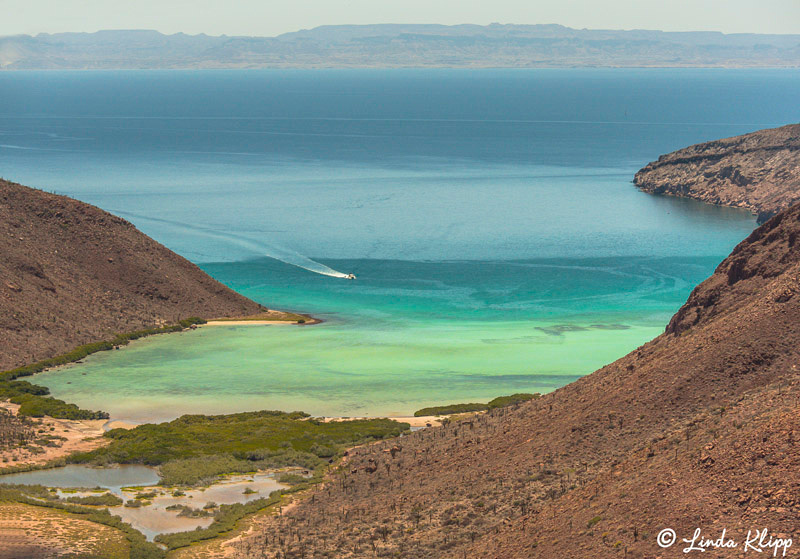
x: 494, y: 24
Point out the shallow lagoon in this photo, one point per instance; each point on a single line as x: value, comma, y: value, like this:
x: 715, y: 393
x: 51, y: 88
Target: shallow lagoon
x: 442, y: 336
x: 125, y: 481
x: 113, y: 479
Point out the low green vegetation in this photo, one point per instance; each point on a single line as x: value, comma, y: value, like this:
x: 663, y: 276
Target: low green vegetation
x: 105, y: 500
x: 197, y: 448
x: 34, y: 400
x: 451, y: 409
x: 292, y: 479
x: 201, y: 469
x: 518, y: 398
x: 500, y: 402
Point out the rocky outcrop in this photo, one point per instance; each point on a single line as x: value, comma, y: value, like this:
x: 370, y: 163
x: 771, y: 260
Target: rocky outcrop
x: 759, y: 172
x: 71, y: 273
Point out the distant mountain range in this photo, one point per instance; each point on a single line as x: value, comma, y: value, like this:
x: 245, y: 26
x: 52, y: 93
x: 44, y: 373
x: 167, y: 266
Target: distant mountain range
x: 398, y: 45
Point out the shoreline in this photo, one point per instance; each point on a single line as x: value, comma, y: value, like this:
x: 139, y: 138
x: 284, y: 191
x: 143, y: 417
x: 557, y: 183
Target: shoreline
x: 257, y: 323
x: 268, y: 317
x: 224, y: 321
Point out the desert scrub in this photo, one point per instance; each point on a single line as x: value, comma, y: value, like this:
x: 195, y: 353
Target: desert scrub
x: 14, y: 430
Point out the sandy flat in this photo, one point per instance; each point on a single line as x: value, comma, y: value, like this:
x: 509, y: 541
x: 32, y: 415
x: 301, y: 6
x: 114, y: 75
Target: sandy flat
x: 83, y: 436
x: 42, y: 533
x: 271, y: 316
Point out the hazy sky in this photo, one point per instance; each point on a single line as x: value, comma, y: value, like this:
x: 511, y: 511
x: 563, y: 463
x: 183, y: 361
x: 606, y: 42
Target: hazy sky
x: 271, y: 17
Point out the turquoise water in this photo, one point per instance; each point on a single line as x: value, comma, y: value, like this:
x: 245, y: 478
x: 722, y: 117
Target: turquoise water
x: 489, y: 215
x: 403, y: 336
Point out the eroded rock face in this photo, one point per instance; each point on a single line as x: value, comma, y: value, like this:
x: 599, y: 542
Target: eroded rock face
x: 759, y: 172
x: 71, y: 273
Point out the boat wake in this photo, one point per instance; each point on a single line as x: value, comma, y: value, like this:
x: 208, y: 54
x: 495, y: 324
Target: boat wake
x: 286, y: 255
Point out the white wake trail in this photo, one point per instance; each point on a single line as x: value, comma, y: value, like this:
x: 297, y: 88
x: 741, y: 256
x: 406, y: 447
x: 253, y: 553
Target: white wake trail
x: 263, y: 249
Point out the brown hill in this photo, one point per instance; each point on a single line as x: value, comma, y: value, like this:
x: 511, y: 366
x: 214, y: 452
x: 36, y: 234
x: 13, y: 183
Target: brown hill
x: 71, y: 273
x: 696, y: 429
x: 759, y: 172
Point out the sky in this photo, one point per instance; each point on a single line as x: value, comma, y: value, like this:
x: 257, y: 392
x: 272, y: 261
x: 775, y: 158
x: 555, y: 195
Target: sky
x: 272, y: 17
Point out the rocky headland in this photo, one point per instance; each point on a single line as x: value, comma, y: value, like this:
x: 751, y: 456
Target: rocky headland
x: 759, y: 172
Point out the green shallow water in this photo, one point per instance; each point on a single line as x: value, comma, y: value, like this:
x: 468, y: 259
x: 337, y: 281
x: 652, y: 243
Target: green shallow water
x: 403, y: 336
x: 334, y: 369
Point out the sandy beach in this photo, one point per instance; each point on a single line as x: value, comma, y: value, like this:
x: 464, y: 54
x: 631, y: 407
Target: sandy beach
x: 269, y: 317
x: 247, y: 322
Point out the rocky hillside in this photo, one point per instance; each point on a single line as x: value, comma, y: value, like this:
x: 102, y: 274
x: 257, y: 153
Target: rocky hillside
x: 759, y: 172
x: 698, y: 428
x: 71, y: 273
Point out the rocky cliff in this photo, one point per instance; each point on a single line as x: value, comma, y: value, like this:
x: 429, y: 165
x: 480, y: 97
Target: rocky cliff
x: 698, y: 428
x: 71, y: 273
x: 759, y: 172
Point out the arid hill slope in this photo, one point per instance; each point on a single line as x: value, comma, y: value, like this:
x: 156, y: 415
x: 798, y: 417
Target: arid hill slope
x: 698, y: 428
x: 71, y: 273
x: 759, y: 172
